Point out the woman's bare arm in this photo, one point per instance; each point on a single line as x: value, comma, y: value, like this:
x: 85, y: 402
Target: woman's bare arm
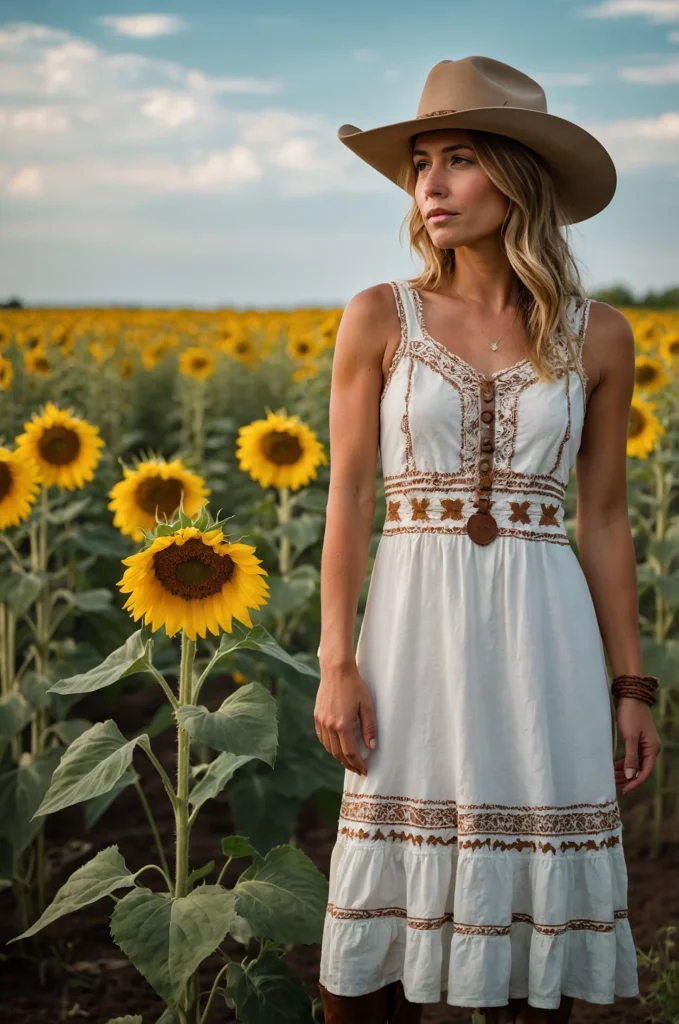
x: 603, y: 535
x: 354, y: 436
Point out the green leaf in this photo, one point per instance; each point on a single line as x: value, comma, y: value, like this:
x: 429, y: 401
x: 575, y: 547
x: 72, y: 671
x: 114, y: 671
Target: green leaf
x: 91, y: 766
x: 239, y: 846
x: 244, y: 724
x: 98, y: 805
x: 302, y: 531
x: 100, y: 539
x: 20, y: 590
x: 140, y: 925
x: 69, y: 729
x: 15, y: 713
x: 65, y: 514
x: 198, y: 873
x: 35, y: 688
x: 284, y: 896
x: 268, y: 992
x: 218, y: 773
x: 133, y: 656
x: 102, y: 875
x: 257, y: 638
x: 198, y: 924
x: 168, y: 1017
x: 288, y: 595
x: 88, y: 600
x: 21, y: 791
x: 128, y: 1019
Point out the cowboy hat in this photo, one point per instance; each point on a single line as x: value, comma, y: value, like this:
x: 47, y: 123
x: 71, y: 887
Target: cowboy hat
x: 479, y: 92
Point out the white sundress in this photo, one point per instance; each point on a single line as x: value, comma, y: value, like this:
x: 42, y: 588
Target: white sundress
x: 481, y: 858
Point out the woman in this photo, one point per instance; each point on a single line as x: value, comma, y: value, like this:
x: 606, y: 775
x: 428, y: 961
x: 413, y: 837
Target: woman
x: 479, y: 853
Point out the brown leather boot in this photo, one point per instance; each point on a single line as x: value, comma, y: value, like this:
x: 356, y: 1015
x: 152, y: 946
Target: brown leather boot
x: 387, y: 1005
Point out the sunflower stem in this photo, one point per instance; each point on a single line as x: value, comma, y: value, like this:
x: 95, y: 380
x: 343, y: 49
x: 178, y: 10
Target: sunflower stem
x: 160, y: 679
x: 198, y: 438
x: 183, y: 768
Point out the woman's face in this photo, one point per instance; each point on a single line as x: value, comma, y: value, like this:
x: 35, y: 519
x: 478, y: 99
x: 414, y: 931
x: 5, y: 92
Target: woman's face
x: 449, y: 176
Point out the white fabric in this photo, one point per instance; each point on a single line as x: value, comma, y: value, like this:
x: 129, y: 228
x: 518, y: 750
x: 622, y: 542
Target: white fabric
x: 481, y: 857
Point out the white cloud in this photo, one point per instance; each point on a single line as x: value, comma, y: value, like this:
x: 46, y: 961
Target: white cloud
x: 144, y: 26
x: 28, y: 182
x: 40, y: 120
x: 673, y: 37
x: 636, y: 143
x: 172, y: 110
x: 657, y: 11
x: 658, y: 74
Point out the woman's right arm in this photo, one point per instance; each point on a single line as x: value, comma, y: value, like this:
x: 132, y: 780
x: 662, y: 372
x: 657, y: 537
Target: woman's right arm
x: 355, y: 391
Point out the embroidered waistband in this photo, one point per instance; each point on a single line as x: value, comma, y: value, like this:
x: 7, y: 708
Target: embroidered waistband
x: 523, y: 513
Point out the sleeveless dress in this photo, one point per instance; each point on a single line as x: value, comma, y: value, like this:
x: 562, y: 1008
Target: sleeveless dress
x: 481, y: 858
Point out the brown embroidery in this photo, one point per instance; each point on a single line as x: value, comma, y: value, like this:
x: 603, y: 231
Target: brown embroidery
x: 548, y: 517
x: 452, y: 508
x: 403, y: 341
x: 472, y: 819
x: 431, y: 923
x: 392, y: 514
x: 419, y: 506
x: 507, y: 480
x: 474, y: 845
x: 405, y: 421
x: 503, y: 531
x: 519, y: 512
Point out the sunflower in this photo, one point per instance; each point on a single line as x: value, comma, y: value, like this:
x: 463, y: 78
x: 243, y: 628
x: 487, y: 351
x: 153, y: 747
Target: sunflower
x: 6, y: 374
x: 304, y: 371
x: 279, y: 451
x: 303, y: 346
x: 197, y: 362
x: 63, y: 447
x: 193, y: 581
x: 19, y: 488
x: 63, y: 338
x: 669, y: 346
x: 154, y: 484
x: 650, y: 374
x: 36, y: 361
x: 644, y: 428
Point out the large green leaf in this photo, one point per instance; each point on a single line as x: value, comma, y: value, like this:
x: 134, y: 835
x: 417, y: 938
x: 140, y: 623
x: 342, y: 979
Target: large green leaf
x: 21, y: 791
x: 218, y: 773
x: 198, y: 924
x: 268, y: 992
x: 93, y: 809
x: 284, y: 896
x: 257, y: 639
x: 91, y: 766
x: 140, y: 925
x: 88, y: 600
x: 288, y: 595
x: 102, y: 875
x: 15, y: 713
x: 19, y: 590
x: 132, y: 657
x: 244, y: 724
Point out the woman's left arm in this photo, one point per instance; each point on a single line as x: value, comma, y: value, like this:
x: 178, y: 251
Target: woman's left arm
x: 603, y: 535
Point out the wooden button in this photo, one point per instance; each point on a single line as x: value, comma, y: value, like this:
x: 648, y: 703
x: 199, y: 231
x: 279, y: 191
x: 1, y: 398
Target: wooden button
x: 482, y: 527
x: 487, y: 415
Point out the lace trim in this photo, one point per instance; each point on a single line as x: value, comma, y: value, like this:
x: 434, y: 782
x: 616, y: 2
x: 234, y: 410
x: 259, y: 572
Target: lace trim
x: 403, y: 341
x: 431, y: 923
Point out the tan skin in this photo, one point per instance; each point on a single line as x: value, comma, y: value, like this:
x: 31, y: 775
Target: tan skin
x: 477, y: 305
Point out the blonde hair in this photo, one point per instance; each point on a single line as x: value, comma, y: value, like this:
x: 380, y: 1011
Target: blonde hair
x: 539, y: 254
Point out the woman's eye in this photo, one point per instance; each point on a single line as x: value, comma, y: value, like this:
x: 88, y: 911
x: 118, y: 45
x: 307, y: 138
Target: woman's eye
x: 422, y: 162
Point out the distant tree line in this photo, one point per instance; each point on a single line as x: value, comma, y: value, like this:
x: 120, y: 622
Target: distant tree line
x: 614, y: 295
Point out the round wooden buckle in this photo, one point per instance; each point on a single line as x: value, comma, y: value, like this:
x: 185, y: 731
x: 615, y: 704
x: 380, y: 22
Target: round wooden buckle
x: 482, y: 527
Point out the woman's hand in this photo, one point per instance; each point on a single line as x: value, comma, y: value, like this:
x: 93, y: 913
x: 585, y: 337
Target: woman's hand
x: 343, y: 695
x: 642, y: 742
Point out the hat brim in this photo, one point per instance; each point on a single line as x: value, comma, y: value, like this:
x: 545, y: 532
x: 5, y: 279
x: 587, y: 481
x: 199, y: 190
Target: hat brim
x: 583, y: 170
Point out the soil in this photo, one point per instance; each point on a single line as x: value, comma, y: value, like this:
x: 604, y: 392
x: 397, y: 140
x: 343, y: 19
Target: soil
x: 74, y: 971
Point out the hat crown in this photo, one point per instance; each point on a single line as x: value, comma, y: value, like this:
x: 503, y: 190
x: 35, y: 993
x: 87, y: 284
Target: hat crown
x: 456, y: 85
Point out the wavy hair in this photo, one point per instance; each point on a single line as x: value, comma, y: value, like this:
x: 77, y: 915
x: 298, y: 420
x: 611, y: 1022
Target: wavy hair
x: 540, y: 255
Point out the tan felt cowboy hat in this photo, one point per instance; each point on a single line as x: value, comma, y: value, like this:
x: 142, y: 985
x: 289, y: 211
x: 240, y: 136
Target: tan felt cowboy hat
x: 479, y: 92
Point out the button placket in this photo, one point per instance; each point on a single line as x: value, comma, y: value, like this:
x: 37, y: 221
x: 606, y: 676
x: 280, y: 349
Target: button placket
x: 482, y: 526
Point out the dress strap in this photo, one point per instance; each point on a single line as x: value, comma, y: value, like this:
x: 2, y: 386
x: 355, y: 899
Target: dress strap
x: 410, y: 327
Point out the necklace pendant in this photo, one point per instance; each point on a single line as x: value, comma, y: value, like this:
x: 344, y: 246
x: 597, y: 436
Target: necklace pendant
x: 494, y: 346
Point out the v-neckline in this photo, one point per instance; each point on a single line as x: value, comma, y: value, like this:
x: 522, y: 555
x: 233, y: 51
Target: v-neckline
x: 417, y: 298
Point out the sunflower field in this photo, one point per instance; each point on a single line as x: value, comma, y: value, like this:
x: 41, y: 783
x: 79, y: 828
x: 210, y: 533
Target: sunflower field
x: 163, y: 484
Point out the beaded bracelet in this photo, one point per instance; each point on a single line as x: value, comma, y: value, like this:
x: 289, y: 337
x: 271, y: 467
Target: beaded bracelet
x: 639, y: 687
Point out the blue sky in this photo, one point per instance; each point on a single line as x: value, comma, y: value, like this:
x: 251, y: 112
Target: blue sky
x: 187, y: 154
